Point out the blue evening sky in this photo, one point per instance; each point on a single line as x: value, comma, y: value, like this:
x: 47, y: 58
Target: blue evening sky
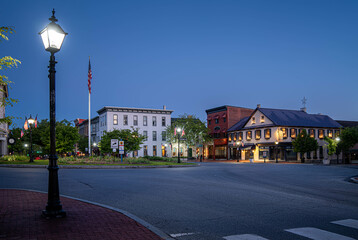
x: 189, y: 55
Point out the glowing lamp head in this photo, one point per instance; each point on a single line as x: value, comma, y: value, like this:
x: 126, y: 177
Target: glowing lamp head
x: 338, y: 139
x: 53, y: 35
x: 31, y: 120
x: 178, y: 129
x: 276, y: 143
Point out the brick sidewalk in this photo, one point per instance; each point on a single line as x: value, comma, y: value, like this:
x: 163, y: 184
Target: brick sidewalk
x: 20, y: 218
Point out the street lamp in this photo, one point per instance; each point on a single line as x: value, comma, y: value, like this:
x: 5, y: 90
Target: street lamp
x: 31, y: 122
x: 276, y: 148
x: 52, y: 37
x: 178, y: 133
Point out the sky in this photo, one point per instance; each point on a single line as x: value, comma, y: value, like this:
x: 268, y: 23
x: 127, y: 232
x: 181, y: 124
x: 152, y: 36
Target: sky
x: 189, y: 55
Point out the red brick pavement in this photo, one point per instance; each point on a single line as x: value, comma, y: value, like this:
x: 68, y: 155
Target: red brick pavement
x: 20, y: 218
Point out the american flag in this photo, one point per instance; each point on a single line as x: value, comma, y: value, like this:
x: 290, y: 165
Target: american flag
x: 89, y: 76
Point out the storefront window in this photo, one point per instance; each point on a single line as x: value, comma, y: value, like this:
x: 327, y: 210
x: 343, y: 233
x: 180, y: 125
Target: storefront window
x: 263, y: 152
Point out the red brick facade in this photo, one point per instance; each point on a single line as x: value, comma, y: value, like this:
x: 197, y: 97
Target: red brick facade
x: 219, y: 120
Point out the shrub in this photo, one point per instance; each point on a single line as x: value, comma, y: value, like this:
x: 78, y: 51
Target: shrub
x: 13, y: 158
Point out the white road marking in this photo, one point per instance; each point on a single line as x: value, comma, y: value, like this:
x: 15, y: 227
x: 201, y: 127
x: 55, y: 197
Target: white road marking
x: 180, y: 234
x: 317, y: 234
x: 348, y: 223
x: 245, y: 237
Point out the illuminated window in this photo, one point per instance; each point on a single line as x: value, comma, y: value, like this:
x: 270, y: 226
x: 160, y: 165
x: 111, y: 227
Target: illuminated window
x: 312, y: 133
x: 154, y: 150
x: 321, y: 133
x: 258, y: 134
x: 235, y: 137
x: 284, y: 133
x: 253, y: 120
x: 262, y: 119
x: 293, y: 133
x: 115, y: 119
x: 330, y: 133
x: 240, y: 136
x: 230, y: 137
x: 248, y: 135
x: 267, y: 133
x: 145, y: 147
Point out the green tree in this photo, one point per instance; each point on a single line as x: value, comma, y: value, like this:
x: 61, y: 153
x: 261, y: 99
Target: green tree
x: 83, y: 143
x: 348, y: 138
x: 131, y: 137
x: 195, y: 130
x: 6, y: 62
x: 304, y: 143
x: 331, y: 145
x: 66, y: 137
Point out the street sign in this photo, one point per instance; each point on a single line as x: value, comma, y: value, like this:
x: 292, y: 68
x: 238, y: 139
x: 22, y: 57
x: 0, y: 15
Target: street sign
x: 121, y: 147
x: 114, y: 149
x: 114, y: 143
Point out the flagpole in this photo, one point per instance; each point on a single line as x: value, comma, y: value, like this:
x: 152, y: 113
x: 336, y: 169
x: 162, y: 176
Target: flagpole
x: 89, y: 118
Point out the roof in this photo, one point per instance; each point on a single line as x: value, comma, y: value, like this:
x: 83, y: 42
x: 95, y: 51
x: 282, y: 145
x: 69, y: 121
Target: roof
x: 348, y: 123
x: 240, y: 124
x: 289, y: 118
x: 222, y: 108
x: 127, y: 109
x: 282, y: 117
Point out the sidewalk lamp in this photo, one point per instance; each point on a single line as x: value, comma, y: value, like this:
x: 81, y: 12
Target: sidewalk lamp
x: 52, y: 37
x: 178, y: 133
x: 31, y: 122
x: 276, y: 148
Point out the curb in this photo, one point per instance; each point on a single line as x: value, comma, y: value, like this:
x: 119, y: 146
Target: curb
x: 94, y: 166
x: 155, y: 230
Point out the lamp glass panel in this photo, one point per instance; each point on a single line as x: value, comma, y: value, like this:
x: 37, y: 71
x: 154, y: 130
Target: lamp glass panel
x: 55, y: 38
x: 31, y: 121
x: 45, y: 40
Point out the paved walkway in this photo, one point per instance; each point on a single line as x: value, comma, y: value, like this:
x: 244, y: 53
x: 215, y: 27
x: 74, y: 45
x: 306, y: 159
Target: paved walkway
x: 20, y: 218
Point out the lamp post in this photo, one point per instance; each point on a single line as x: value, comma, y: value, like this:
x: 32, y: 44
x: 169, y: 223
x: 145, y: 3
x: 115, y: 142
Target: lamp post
x: 52, y: 36
x: 178, y: 133
x: 276, y: 148
x: 31, y: 121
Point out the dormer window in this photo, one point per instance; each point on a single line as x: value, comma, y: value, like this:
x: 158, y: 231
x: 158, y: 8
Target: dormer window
x: 253, y: 120
x: 262, y: 120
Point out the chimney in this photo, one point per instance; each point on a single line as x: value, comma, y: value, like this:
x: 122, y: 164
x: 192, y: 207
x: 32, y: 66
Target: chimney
x: 258, y: 105
x: 304, y: 109
x: 164, y: 107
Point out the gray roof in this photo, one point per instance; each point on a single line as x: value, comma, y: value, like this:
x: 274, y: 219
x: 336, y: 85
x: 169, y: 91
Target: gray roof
x: 240, y: 124
x: 291, y: 118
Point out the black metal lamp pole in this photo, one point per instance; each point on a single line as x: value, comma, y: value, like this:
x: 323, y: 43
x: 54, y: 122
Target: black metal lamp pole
x: 31, y: 155
x: 178, y: 148
x: 53, y: 44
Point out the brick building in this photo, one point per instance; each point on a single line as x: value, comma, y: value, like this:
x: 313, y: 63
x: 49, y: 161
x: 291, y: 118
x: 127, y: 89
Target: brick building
x: 219, y: 120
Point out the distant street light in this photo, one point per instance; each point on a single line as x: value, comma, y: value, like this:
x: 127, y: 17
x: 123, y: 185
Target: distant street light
x: 31, y: 122
x: 52, y: 37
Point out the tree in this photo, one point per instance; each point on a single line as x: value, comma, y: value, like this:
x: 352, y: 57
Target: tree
x: 195, y: 130
x: 6, y: 62
x: 131, y: 137
x: 304, y: 143
x: 83, y: 143
x: 349, y: 137
x: 332, y: 145
x: 66, y: 136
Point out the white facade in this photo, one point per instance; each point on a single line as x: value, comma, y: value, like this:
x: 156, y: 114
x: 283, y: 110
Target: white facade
x: 149, y: 122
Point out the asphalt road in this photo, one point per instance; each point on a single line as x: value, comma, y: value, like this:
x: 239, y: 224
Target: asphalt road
x: 218, y: 200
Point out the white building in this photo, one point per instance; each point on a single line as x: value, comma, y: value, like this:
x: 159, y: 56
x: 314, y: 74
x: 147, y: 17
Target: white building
x: 149, y: 122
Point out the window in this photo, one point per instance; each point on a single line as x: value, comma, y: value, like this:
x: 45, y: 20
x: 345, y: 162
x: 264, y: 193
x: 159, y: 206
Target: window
x: 135, y: 153
x: 311, y: 132
x: 209, y: 122
x: 145, y: 121
x: 248, y: 135
x: 267, y: 133
x: 321, y: 133
x: 154, y: 150
x: 145, y: 134
x: 293, y: 133
x: 154, y: 135
x: 230, y: 137
x: 164, y: 136
x: 135, y: 120
x: 125, y: 120
x: 253, y: 120
x: 235, y: 137
x: 330, y: 133
x: 336, y: 133
x: 217, y: 120
x: 115, y: 119
x: 240, y: 136
x: 258, y: 134
x: 284, y: 133
x: 224, y: 119
x: 154, y: 121
x: 163, y: 121
x: 262, y: 120
x: 145, y: 150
